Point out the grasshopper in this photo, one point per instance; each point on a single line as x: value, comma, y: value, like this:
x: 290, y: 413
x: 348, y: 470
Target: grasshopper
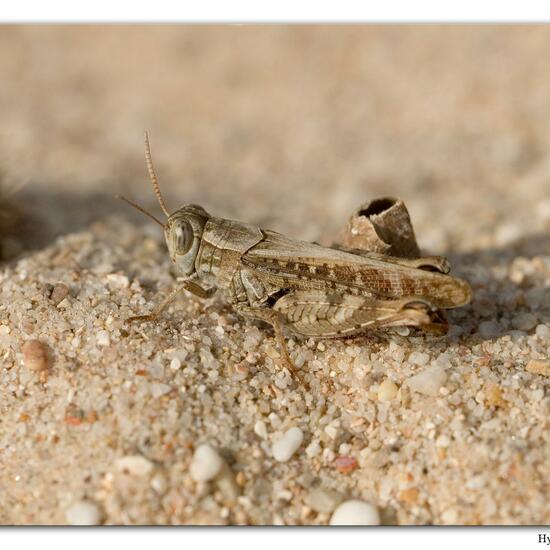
x: 315, y: 291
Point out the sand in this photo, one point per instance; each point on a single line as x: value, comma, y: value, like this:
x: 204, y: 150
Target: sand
x: 290, y: 128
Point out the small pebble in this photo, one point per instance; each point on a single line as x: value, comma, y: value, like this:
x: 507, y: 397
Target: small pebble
x: 323, y: 500
x: 260, y: 429
x: 35, y: 356
x: 387, y: 390
x: 116, y: 280
x: 102, y: 338
x: 206, y: 463
x: 158, y: 390
x: 59, y: 292
x: 159, y: 483
x: 543, y: 332
x: 313, y: 449
x: 288, y: 444
x: 345, y: 464
x: 428, y: 381
x: 136, y: 465
x: 449, y: 516
x: 419, y: 358
x: 227, y: 484
x: 525, y: 322
x: 333, y: 429
x: 175, y: 364
x: 355, y: 512
x: 83, y: 512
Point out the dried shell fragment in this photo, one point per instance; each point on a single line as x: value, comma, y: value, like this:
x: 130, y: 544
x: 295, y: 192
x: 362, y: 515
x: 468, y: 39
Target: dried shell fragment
x: 383, y: 226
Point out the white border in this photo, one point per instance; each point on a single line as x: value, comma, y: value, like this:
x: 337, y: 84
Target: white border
x: 282, y: 11
x: 248, y: 11
x: 252, y: 538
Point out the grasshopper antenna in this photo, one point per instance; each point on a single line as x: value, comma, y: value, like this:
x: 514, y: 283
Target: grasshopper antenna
x: 137, y: 207
x: 153, y: 176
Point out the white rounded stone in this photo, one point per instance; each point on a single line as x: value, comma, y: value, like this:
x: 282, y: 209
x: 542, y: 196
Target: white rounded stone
x: 206, y: 463
x: 287, y: 445
x: 83, y: 512
x: 355, y: 512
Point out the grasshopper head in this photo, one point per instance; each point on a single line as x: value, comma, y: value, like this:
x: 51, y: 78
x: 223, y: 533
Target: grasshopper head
x: 183, y: 229
x: 183, y: 232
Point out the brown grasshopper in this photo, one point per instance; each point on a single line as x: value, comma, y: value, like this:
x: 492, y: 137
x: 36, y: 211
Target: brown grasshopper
x: 312, y: 290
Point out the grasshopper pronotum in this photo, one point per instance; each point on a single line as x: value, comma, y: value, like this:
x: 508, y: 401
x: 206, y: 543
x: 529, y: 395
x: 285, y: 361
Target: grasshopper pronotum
x: 312, y: 290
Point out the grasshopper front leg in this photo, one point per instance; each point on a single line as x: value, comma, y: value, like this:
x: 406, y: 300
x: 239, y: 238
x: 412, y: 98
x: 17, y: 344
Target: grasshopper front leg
x: 191, y: 286
x: 276, y: 321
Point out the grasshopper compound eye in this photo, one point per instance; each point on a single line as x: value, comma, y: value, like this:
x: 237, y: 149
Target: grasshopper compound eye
x: 183, y: 238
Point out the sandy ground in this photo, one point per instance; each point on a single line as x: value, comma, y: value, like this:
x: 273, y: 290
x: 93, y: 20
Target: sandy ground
x: 290, y: 128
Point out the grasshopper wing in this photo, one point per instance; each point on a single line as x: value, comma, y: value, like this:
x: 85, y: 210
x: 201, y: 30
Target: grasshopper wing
x: 300, y: 265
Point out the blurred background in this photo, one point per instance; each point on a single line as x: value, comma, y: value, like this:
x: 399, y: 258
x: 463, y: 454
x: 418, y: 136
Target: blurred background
x: 290, y: 127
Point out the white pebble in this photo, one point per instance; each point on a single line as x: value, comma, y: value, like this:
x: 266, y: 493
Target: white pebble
x: 543, y: 332
x: 102, y: 338
x: 313, y: 449
x: 206, y: 463
x: 387, y: 390
x: 260, y: 430
x: 418, y: 358
x: 449, y: 516
x: 159, y: 483
x: 136, y: 465
x: 287, y: 445
x: 158, y: 390
x: 175, y: 364
x: 323, y: 500
x: 83, y: 512
x: 274, y: 420
x: 428, y: 381
x: 525, y: 321
x: 355, y: 512
x: 226, y: 483
x: 333, y: 429
x: 116, y: 280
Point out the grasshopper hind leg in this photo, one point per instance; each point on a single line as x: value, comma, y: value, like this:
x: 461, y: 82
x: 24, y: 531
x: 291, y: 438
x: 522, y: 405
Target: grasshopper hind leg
x: 318, y: 314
